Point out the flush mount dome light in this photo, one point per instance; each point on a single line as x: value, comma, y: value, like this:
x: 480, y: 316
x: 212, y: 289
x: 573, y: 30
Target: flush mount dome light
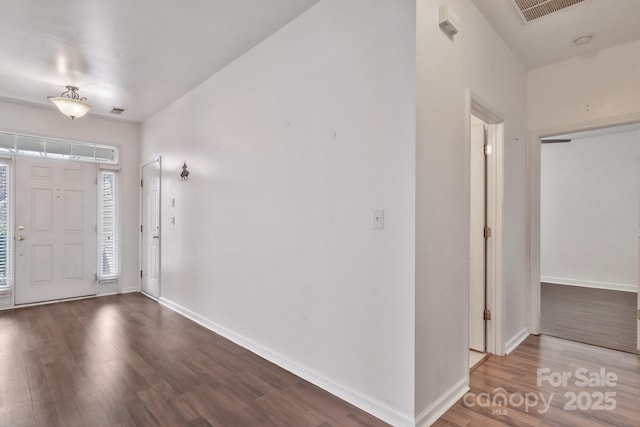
x: 583, y: 39
x: 70, y: 104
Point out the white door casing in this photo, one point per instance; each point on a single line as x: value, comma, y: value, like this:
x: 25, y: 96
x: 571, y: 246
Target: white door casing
x: 494, y: 299
x: 55, y: 229
x: 150, y: 229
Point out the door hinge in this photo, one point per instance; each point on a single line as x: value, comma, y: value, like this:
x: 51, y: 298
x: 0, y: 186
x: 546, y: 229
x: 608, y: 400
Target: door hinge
x: 96, y: 276
x: 487, y: 314
x: 487, y: 232
x: 141, y: 228
x: 140, y: 183
x: 486, y: 149
x: 96, y: 180
x: 141, y: 274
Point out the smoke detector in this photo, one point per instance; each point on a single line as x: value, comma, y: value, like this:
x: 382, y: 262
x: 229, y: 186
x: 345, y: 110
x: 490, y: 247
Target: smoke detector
x: 530, y: 10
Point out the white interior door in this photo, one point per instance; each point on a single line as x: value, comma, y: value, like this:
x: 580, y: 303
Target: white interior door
x: 56, y: 246
x: 477, y: 280
x: 151, y: 229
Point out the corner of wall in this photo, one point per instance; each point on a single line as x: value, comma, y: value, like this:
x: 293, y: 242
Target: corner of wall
x: 436, y: 409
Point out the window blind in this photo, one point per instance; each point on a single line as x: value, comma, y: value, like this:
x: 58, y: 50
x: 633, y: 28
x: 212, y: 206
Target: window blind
x: 5, y: 247
x: 108, y: 226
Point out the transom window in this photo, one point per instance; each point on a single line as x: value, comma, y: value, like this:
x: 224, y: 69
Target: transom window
x: 28, y: 145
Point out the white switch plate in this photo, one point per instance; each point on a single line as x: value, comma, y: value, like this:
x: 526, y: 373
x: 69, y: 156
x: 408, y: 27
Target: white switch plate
x: 378, y: 219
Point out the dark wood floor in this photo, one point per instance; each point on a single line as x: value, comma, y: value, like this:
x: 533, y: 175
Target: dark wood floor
x: 593, y: 316
x: 517, y: 375
x: 127, y: 361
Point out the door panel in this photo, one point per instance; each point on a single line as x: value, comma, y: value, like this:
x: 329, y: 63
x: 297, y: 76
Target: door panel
x: 477, y: 242
x: 74, y: 262
x: 56, y: 204
x: 42, y: 264
x: 73, y: 212
x: 151, y: 229
x: 42, y: 210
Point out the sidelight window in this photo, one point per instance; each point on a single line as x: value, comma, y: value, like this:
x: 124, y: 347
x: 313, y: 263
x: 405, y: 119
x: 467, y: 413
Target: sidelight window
x: 5, y: 229
x: 108, y: 225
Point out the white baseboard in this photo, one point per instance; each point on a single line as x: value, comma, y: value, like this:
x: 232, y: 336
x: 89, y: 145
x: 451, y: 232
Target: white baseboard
x: 516, y: 340
x: 590, y: 284
x: 371, y: 405
x: 434, y: 411
x: 130, y: 289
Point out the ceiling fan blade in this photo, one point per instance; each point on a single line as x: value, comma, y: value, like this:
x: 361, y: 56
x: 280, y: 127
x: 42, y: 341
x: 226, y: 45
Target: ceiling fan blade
x: 554, y: 141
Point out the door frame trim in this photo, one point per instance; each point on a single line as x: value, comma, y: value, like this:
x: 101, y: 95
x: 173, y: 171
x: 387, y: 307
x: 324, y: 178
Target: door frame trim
x: 495, y: 216
x: 140, y: 249
x: 533, y: 201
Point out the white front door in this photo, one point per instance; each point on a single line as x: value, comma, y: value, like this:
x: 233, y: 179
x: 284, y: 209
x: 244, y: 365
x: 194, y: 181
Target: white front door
x: 477, y: 259
x: 150, y: 228
x: 56, y: 246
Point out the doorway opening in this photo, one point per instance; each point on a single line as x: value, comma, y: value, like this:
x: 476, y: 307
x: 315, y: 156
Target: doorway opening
x: 478, y: 239
x: 150, y: 233
x: 589, y: 217
x: 534, y: 212
x: 486, y: 189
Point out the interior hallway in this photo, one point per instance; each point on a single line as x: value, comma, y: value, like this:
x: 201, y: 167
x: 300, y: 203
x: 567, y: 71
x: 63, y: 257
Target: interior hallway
x: 517, y: 375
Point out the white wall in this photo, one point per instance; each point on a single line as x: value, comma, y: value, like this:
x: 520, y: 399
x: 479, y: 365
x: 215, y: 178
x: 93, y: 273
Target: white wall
x: 589, y: 211
x: 50, y: 122
x: 291, y: 148
x: 479, y: 60
x: 608, y: 82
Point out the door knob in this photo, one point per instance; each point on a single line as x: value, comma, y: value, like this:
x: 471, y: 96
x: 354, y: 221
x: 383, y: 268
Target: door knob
x: 156, y: 237
x: 20, y: 238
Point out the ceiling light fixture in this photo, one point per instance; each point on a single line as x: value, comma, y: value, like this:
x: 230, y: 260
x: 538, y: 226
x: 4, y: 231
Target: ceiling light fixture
x: 583, y: 39
x: 70, y: 104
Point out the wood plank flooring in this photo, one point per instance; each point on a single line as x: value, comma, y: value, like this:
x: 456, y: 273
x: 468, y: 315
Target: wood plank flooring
x: 515, y: 376
x: 127, y: 361
x: 593, y: 316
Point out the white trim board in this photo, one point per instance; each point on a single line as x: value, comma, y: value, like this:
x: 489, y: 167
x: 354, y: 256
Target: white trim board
x: 371, y: 405
x: 589, y: 284
x: 518, y: 339
x: 434, y: 411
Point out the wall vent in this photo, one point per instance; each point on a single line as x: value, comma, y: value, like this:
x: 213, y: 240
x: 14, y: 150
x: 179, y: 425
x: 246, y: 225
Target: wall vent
x: 530, y: 10
x: 116, y: 110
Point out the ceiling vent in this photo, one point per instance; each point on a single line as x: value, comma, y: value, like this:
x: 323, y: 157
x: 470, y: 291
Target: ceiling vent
x: 116, y: 110
x: 530, y: 10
